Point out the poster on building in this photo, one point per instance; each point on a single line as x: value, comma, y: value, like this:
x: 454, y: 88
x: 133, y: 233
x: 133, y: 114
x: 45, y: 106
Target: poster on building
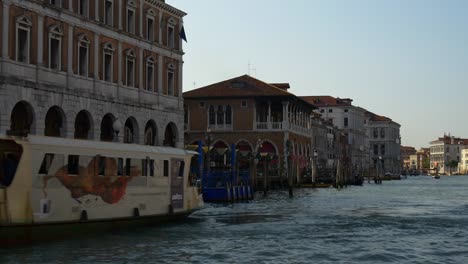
x: 177, y: 183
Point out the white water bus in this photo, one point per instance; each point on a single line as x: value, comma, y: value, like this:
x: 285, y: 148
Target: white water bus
x: 59, y: 183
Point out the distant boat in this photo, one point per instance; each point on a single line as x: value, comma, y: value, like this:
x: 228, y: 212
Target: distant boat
x: 436, y: 177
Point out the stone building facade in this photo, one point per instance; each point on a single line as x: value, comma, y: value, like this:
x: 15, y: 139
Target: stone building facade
x: 101, y: 70
x: 384, y: 141
x: 446, y: 150
x: 350, y: 119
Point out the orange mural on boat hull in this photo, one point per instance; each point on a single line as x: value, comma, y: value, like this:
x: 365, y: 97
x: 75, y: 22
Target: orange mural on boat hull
x: 110, y: 187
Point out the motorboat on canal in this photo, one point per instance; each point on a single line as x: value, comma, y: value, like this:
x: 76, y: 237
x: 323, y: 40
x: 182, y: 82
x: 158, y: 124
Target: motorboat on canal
x: 51, y: 182
x: 436, y: 177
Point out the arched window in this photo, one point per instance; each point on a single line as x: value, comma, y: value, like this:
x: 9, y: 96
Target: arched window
x: 228, y: 115
x: 107, y: 130
x: 83, y: 125
x: 150, y: 133
x: 212, y: 115
x: 54, y: 122
x: 131, y: 131
x: 22, y: 118
x: 220, y: 115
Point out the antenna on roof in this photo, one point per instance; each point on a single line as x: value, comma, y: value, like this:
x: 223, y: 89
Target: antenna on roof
x: 251, y: 69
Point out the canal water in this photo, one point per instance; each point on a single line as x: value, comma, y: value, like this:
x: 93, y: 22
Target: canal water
x: 417, y: 220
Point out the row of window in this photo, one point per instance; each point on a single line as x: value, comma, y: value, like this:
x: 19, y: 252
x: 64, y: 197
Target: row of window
x: 130, y: 15
x: 330, y: 110
x: 376, y: 149
x: 108, y: 166
x: 376, y: 132
x: 222, y: 115
x: 55, y: 55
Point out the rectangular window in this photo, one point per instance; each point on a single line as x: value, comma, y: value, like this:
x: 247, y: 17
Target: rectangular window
x: 108, y: 13
x: 83, y: 60
x: 376, y: 132
x: 181, y: 168
x: 382, y: 149
x: 166, y: 168
x: 150, y: 29
x: 128, y: 165
x: 73, y: 164
x: 144, y: 167
x: 130, y: 21
x: 130, y: 72
x: 46, y: 163
x: 151, y: 168
x: 170, y: 83
x: 102, y: 166
x: 23, y: 45
x: 346, y: 122
x: 382, y: 132
x: 201, y: 104
x: 120, y: 166
x: 244, y: 104
x: 149, y: 77
x: 330, y: 110
x: 376, y: 149
x: 346, y: 110
x: 55, y: 57
x: 107, y: 67
x: 83, y: 7
x: 170, y: 37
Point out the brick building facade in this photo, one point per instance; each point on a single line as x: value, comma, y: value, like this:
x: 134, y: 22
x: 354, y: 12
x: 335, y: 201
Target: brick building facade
x: 263, y: 119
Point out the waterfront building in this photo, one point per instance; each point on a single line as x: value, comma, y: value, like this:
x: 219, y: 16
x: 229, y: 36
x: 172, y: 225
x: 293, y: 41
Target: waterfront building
x: 463, y: 165
x: 405, y: 153
x: 274, y: 131
x: 445, y: 153
x: 418, y: 160
x: 99, y: 70
x: 384, y: 142
x: 350, y: 119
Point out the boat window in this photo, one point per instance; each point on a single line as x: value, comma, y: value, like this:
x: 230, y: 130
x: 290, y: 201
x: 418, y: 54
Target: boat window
x: 144, y: 167
x: 10, y: 155
x: 73, y: 164
x: 120, y: 166
x: 102, y: 166
x: 46, y: 163
x: 181, y: 168
x: 128, y: 164
x: 151, y: 168
x: 166, y: 168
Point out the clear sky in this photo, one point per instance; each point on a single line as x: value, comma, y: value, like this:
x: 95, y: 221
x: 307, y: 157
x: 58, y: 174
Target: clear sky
x: 407, y: 60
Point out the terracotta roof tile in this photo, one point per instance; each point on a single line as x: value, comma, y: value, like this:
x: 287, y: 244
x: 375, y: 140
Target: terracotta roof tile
x: 284, y: 86
x: 242, y: 86
x: 326, y: 100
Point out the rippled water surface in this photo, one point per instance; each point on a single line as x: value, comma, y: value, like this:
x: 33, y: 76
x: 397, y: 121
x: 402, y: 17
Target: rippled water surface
x: 418, y: 220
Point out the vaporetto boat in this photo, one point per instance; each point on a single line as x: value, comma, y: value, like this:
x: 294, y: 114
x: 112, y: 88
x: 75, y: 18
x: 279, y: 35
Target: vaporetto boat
x: 52, y: 183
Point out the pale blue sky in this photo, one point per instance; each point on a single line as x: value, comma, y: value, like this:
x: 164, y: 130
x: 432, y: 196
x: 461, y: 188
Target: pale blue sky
x: 407, y: 60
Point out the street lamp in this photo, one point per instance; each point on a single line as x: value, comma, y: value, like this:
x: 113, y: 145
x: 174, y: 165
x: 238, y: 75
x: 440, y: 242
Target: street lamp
x: 116, y: 126
x: 208, y: 140
x: 314, y: 166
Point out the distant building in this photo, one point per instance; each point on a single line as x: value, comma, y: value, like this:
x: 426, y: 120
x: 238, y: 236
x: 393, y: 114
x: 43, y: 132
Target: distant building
x: 417, y: 161
x: 349, y: 118
x: 384, y: 142
x: 405, y: 153
x: 446, y: 150
x: 463, y: 165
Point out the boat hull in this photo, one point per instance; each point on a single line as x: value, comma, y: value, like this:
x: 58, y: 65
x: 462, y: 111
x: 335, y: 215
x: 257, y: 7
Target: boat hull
x: 17, y: 235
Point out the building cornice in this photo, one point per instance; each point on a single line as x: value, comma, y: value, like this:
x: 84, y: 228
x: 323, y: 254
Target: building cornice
x: 166, y: 7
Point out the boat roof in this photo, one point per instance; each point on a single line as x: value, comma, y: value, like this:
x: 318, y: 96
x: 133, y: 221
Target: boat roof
x: 90, y: 144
